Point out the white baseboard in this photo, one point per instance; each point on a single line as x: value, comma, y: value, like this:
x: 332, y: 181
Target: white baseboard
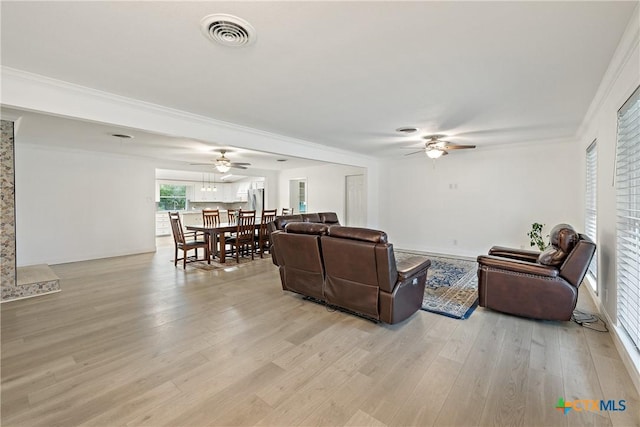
x: 633, y: 366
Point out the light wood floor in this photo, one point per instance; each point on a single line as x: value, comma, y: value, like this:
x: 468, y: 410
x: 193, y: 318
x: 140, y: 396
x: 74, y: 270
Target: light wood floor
x: 134, y: 341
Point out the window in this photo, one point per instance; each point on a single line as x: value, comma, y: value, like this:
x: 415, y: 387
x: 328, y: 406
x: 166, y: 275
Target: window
x: 172, y: 197
x: 590, y: 223
x: 628, y: 213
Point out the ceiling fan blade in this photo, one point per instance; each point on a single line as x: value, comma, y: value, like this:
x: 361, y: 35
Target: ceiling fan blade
x: 240, y: 164
x: 415, y: 152
x: 444, y: 153
x: 458, y: 147
x: 238, y: 167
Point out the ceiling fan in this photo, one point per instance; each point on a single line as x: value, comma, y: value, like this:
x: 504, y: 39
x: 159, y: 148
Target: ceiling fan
x: 223, y: 164
x: 436, y: 146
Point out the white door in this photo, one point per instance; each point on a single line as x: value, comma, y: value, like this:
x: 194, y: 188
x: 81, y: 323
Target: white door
x: 356, y: 211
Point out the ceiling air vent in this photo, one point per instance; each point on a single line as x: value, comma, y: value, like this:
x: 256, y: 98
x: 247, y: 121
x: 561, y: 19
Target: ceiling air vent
x: 407, y: 130
x: 228, y: 30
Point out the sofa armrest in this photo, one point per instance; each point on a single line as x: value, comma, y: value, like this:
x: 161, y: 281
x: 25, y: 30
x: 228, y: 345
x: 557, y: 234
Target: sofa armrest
x: 511, y: 253
x: 412, y: 266
x: 517, y: 266
x: 274, y: 247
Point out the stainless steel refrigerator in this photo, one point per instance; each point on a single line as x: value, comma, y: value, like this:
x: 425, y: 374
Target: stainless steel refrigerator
x: 256, y: 200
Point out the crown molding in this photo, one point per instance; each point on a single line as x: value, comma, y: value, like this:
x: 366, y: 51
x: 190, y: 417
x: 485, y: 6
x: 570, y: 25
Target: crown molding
x: 10, y: 117
x: 538, y: 144
x: 19, y: 87
x: 627, y: 46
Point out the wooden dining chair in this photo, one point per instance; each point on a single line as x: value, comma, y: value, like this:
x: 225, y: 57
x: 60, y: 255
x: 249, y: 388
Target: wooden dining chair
x: 231, y: 216
x: 186, y: 241
x: 211, y: 218
x: 245, y: 234
x: 262, y: 233
x: 287, y: 211
x: 231, y: 219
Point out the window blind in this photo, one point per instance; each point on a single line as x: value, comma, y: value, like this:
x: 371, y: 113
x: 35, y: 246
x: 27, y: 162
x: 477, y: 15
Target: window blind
x: 590, y: 216
x: 628, y: 216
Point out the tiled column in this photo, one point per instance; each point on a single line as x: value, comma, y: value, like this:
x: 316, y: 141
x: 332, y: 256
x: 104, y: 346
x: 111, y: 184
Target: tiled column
x: 7, y: 210
x: 23, y: 282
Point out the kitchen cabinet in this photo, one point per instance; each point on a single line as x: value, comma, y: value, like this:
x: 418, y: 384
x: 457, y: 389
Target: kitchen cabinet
x: 206, y: 196
x: 226, y: 192
x: 163, y: 225
x: 221, y: 195
x: 191, y: 218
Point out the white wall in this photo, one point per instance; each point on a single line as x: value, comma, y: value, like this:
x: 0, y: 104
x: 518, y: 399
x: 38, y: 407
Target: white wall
x: 468, y: 201
x: 325, y: 187
x: 621, y: 79
x: 271, y: 190
x: 73, y: 206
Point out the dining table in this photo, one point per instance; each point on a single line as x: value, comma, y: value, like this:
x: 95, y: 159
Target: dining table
x: 218, y: 233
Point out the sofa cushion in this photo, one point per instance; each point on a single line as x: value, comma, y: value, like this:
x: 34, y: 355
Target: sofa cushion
x: 310, y: 217
x: 314, y: 228
x: 564, y: 237
x: 329, y: 217
x: 552, y: 256
x: 357, y: 233
x: 280, y: 221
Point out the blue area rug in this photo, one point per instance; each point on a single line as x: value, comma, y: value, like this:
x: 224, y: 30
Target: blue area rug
x: 452, y: 285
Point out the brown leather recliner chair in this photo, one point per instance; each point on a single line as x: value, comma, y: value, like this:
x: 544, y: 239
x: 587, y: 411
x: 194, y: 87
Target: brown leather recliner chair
x: 362, y: 275
x: 278, y: 224
x: 533, y: 284
x: 300, y: 259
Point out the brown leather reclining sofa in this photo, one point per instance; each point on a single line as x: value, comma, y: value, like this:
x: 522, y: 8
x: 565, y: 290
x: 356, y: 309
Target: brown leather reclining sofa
x: 329, y: 218
x: 540, y: 285
x: 350, y: 268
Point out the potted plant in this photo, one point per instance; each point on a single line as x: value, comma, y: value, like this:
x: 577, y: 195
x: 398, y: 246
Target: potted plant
x: 536, y: 236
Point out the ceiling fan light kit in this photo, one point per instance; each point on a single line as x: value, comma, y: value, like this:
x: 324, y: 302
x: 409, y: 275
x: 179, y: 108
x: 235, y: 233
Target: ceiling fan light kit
x: 223, y: 164
x: 436, y: 147
x: 434, y: 153
x: 223, y: 168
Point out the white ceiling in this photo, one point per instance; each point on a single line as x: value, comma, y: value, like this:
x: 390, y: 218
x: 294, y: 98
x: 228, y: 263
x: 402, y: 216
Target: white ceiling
x: 342, y: 74
x: 53, y: 131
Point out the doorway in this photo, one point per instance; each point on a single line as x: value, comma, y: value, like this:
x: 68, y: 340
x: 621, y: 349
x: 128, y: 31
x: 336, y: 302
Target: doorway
x: 355, y: 209
x: 298, y: 195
